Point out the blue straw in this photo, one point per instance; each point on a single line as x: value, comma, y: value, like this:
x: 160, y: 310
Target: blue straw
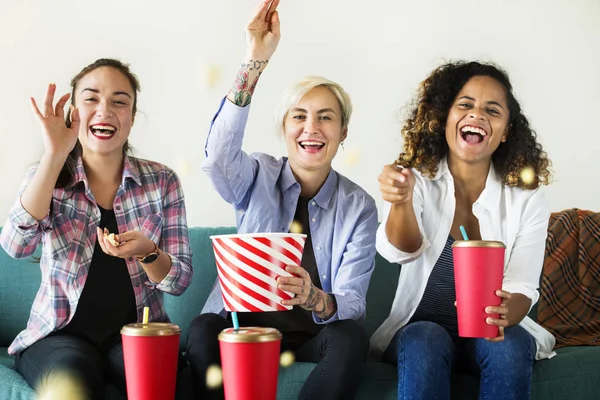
x: 463, y: 232
x: 236, y: 324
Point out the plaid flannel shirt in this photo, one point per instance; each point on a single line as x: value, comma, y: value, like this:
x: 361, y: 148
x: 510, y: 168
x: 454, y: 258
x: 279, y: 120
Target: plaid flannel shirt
x: 149, y: 199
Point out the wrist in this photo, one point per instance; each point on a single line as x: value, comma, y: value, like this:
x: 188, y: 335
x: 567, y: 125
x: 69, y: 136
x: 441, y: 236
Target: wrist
x: 54, y: 160
x: 150, y: 256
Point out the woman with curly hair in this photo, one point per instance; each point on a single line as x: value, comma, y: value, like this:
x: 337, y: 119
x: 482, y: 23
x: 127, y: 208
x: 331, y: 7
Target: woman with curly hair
x: 466, y: 145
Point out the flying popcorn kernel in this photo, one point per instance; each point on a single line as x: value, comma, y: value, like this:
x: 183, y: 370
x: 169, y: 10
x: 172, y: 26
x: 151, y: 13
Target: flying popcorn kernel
x: 286, y: 359
x: 527, y: 175
x: 296, y: 227
x: 214, y: 377
x: 60, y: 386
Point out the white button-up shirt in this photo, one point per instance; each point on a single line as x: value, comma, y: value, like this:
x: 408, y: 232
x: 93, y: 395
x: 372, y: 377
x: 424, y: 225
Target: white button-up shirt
x: 517, y: 217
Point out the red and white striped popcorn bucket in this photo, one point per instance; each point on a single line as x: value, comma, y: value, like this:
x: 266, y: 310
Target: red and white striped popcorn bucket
x: 248, y: 265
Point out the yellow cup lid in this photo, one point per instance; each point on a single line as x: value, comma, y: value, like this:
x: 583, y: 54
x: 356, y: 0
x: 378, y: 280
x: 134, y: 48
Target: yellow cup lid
x: 251, y: 334
x: 151, y: 329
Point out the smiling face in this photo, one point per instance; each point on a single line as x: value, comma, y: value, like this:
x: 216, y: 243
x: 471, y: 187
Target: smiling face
x: 105, y: 101
x: 313, y: 131
x: 478, y: 120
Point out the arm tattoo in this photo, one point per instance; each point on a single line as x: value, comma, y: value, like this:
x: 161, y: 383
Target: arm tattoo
x: 245, y: 82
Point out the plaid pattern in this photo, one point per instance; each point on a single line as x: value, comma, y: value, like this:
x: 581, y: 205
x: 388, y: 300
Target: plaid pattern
x: 569, y: 304
x: 149, y: 199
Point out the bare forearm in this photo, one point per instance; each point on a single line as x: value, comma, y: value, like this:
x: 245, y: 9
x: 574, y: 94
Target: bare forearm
x: 518, y: 307
x: 38, y: 194
x: 321, y: 303
x: 243, y: 88
x: 402, y: 229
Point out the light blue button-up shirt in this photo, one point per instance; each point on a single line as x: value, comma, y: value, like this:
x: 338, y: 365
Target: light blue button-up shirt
x: 264, y: 192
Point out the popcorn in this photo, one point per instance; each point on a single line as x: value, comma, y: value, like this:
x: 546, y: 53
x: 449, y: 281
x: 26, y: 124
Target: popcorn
x: 111, y: 238
x: 351, y: 157
x: 527, y: 175
x: 296, y: 227
x: 60, y: 386
x: 286, y: 359
x: 214, y: 377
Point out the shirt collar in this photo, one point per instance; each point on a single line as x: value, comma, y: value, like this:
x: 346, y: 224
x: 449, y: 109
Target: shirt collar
x: 323, y: 197
x: 490, y: 196
x: 130, y: 170
x: 442, y: 170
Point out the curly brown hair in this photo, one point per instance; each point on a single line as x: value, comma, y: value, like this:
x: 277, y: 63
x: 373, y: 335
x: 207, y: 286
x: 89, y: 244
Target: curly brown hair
x: 425, y: 142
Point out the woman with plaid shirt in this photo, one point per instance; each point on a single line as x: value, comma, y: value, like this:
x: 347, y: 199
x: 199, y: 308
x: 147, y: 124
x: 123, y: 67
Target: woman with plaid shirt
x: 85, y: 186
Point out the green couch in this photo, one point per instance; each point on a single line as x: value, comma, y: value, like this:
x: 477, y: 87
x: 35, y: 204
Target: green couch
x: 573, y: 374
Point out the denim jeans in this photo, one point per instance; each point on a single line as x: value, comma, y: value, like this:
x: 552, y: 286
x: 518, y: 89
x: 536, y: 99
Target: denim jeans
x: 340, y: 349
x: 426, y: 355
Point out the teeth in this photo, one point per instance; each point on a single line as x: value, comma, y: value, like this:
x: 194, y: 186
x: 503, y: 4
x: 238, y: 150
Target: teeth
x: 311, y: 143
x: 103, y: 127
x: 473, y: 129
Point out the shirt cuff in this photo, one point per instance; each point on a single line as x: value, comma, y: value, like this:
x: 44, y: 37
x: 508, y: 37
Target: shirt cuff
x: 391, y: 252
x: 341, y: 311
x: 516, y: 287
x: 24, y: 222
x: 233, y: 117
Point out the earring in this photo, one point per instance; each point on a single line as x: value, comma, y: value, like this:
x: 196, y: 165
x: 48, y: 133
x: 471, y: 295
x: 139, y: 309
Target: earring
x: 342, y: 144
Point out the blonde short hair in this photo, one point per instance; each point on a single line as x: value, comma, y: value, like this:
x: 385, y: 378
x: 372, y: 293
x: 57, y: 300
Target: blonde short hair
x: 292, y: 96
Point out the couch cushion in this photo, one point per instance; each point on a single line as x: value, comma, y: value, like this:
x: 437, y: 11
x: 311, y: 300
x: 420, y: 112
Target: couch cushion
x: 569, y: 305
x: 19, y: 282
x: 573, y: 374
x: 382, y: 289
x: 12, y: 384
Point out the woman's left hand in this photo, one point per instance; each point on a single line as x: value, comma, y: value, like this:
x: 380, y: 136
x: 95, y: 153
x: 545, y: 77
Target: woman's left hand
x: 300, y: 284
x: 501, y: 322
x: 132, y: 243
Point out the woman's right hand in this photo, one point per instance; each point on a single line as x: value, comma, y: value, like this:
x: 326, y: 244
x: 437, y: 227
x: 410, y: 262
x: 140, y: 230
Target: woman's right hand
x: 396, y: 184
x: 58, y: 139
x: 262, y: 32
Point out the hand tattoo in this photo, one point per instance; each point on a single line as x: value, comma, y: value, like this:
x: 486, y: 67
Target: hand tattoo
x: 323, y: 304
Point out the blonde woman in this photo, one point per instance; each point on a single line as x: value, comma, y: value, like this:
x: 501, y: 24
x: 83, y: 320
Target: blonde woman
x: 338, y: 216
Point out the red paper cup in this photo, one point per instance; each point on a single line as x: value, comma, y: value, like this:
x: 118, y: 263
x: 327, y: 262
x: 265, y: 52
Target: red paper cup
x: 478, y: 273
x: 250, y: 363
x: 248, y: 266
x: 151, y: 352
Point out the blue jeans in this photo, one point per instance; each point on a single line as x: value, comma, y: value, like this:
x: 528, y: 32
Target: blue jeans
x: 426, y: 355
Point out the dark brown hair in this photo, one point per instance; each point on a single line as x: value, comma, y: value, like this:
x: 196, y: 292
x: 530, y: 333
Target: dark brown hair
x: 68, y: 170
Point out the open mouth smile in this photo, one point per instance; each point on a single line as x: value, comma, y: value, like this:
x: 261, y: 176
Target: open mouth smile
x: 103, y: 131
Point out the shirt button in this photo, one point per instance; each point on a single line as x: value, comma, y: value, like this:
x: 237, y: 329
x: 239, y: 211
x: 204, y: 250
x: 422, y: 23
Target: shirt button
x: 314, y: 220
x: 118, y: 207
x: 314, y: 203
x: 324, y: 276
x: 137, y: 284
x: 130, y: 258
x: 318, y: 248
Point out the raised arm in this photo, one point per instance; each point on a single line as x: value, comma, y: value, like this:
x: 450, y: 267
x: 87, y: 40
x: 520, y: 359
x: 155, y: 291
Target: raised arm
x: 59, y: 140
x: 29, y: 215
x: 232, y: 171
x: 262, y: 37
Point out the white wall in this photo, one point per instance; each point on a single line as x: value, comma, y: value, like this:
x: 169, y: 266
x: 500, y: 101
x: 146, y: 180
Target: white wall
x: 378, y: 50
